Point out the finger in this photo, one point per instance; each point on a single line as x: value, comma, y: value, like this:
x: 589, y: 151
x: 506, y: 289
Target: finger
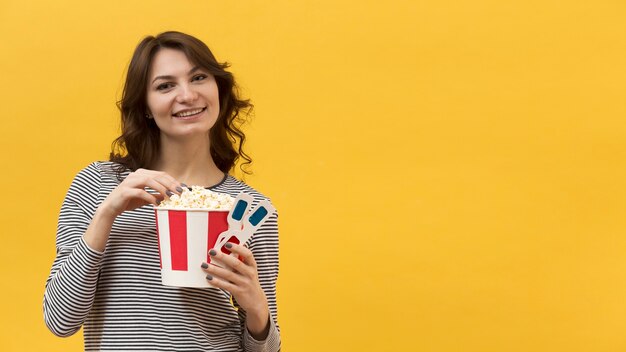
x: 172, y: 180
x: 141, y: 180
x: 163, y: 178
x: 220, y: 283
x: 243, y: 252
x: 157, y: 187
x: 135, y: 179
x: 134, y: 193
x: 232, y: 262
x: 224, y: 274
x: 169, y: 182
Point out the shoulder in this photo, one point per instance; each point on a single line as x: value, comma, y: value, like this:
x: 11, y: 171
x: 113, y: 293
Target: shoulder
x: 89, y: 176
x: 110, y: 169
x: 233, y: 187
x: 100, y: 173
x: 104, y: 168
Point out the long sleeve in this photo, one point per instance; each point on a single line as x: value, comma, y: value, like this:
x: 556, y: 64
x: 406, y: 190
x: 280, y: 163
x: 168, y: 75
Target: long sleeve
x: 71, y: 286
x: 264, y: 246
x: 118, y: 298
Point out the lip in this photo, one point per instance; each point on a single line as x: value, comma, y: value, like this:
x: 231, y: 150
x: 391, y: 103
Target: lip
x: 190, y: 117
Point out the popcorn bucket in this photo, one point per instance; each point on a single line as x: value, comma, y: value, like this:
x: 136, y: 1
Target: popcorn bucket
x: 185, y: 237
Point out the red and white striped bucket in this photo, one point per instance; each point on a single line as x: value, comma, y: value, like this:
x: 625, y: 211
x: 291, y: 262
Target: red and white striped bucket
x: 185, y: 237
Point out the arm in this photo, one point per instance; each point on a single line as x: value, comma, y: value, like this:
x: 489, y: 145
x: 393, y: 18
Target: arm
x: 264, y: 245
x: 253, y: 286
x: 71, y: 286
x: 82, y: 235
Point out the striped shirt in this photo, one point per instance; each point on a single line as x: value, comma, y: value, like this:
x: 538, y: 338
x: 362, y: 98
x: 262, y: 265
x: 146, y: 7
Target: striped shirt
x: 117, y: 295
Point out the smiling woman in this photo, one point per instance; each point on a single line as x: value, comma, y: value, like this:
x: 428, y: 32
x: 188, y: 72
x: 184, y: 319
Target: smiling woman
x: 184, y: 102
x: 169, y: 72
x: 180, y: 123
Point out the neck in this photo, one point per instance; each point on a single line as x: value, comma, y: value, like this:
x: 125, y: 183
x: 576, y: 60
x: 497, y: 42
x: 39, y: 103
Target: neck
x: 189, y: 161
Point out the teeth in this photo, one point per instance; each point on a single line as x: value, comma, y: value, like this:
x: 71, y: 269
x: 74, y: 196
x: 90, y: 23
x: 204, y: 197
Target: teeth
x: 188, y: 113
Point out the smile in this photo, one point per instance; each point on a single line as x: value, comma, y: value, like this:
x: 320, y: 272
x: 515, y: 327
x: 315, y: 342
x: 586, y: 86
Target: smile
x: 189, y: 113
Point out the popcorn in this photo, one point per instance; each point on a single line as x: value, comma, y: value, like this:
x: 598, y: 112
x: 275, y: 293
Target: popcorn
x: 199, y: 198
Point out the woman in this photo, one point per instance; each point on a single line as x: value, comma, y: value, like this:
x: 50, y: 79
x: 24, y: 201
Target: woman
x: 180, y: 112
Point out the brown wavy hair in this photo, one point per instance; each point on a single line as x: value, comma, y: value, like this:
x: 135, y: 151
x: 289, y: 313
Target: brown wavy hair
x: 138, y: 145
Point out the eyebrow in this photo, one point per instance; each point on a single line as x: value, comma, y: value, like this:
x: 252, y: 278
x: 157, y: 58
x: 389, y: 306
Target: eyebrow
x: 196, y: 68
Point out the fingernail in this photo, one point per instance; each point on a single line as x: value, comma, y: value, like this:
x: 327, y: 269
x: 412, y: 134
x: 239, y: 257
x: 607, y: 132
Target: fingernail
x: 169, y: 193
x: 228, y: 245
x: 209, y: 277
x: 184, y: 185
x: 204, y: 266
x: 212, y: 252
x: 179, y: 189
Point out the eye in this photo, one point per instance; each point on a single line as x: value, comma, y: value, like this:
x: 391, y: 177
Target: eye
x: 164, y: 86
x: 199, y: 77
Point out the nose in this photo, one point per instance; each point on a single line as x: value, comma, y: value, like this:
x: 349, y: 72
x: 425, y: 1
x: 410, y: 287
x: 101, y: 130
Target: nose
x: 186, y: 94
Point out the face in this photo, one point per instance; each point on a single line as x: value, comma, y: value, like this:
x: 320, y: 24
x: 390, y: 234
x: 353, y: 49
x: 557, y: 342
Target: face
x: 182, y: 98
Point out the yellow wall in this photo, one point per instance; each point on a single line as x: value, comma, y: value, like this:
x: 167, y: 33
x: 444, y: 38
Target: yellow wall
x: 450, y: 174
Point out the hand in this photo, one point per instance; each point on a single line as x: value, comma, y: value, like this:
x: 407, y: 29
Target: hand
x: 243, y: 283
x: 128, y: 195
x: 131, y: 193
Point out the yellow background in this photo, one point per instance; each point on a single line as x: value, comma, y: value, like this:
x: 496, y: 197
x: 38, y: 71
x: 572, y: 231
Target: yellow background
x: 450, y: 174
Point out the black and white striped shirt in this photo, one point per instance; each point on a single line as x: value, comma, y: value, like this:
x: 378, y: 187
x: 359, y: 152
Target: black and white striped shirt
x: 117, y: 296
